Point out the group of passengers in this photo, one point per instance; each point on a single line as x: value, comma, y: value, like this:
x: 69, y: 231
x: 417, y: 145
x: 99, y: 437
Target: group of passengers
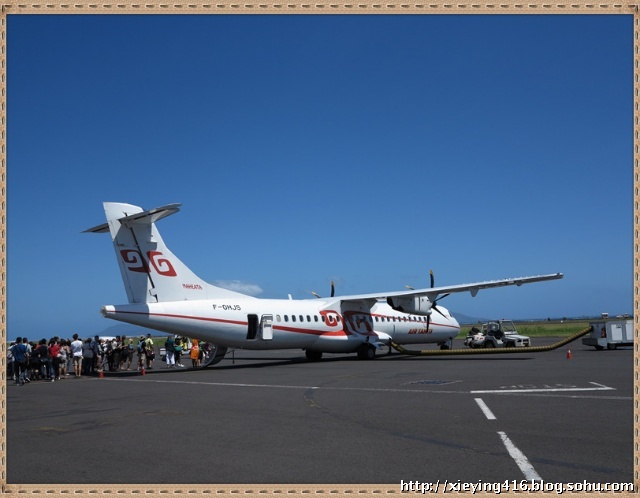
x: 60, y: 358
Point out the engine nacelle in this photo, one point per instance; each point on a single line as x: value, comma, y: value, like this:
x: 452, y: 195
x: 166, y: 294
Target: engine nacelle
x: 415, y: 305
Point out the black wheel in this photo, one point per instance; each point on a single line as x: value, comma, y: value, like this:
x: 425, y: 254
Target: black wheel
x: 366, y: 352
x: 313, y: 355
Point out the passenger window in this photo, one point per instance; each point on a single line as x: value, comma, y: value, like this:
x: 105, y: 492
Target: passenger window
x: 277, y: 318
x: 308, y: 318
x: 293, y: 318
x: 301, y: 318
x: 315, y: 318
x: 286, y: 318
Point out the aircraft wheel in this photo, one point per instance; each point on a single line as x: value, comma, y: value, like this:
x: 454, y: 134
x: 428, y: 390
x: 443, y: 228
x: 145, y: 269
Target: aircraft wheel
x: 313, y: 355
x: 446, y: 345
x: 366, y: 352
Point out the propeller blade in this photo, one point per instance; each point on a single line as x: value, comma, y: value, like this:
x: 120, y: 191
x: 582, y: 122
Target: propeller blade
x: 434, y: 307
x: 409, y: 287
x: 433, y: 280
x: 333, y: 289
x: 441, y: 297
x: 315, y: 294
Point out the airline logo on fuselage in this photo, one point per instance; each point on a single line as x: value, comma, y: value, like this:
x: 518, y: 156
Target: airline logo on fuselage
x: 134, y: 261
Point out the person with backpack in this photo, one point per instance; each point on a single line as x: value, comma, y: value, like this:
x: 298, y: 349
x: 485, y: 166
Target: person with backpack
x: 149, y: 351
x: 20, y: 359
x: 128, y: 353
x: 177, y: 354
x: 140, y: 349
x: 54, y: 355
x: 97, y: 353
x: 41, y: 352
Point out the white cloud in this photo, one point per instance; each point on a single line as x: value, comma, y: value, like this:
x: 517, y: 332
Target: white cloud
x: 237, y: 286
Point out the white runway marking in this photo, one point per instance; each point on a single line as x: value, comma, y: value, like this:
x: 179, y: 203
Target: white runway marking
x: 527, y: 469
x: 283, y: 386
x: 485, y: 409
x: 599, y: 387
x: 530, y: 392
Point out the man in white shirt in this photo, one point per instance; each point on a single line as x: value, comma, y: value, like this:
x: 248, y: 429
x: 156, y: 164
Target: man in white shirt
x: 76, y: 352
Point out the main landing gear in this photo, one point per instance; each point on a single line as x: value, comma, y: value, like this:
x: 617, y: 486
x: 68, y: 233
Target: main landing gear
x: 313, y: 355
x: 366, y: 352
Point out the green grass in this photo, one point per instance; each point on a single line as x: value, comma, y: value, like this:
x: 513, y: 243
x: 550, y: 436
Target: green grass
x: 541, y: 329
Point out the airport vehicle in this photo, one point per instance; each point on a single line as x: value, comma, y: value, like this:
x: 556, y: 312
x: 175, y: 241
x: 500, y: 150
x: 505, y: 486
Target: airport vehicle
x: 497, y: 333
x: 610, y: 334
x: 165, y: 295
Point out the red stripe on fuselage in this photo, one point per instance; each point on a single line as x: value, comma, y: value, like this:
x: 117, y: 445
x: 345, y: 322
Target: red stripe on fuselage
x: 237, y: 322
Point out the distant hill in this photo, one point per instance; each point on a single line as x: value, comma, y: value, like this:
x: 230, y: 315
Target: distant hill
x: 128, y: 330
x: 466, y: 319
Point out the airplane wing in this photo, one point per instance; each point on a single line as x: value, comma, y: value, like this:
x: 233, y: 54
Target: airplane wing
x: 420, y: 301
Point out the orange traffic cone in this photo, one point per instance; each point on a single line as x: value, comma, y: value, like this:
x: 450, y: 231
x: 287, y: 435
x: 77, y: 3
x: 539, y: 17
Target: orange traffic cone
x: 101, y: 374
x: 569, y: 354
x: 143, y: 371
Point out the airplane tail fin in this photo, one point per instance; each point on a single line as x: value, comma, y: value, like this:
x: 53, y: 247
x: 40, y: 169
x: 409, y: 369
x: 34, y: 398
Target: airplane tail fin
x: 150, y: 271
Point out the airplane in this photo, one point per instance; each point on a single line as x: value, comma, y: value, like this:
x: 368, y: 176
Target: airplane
x: 165, y: 295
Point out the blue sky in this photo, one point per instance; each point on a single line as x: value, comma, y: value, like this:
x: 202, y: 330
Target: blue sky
x: 363, y: 149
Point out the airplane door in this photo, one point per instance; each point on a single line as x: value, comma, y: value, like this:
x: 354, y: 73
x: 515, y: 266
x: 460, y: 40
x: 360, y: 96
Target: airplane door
x: 267, y: 327
x: 252, y: 327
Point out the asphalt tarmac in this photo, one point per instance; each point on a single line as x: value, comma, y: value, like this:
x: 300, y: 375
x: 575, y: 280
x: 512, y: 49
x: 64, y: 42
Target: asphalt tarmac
x: 273, y: 417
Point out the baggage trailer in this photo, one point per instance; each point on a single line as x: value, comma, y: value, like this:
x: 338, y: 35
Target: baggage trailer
x: 610, y: 334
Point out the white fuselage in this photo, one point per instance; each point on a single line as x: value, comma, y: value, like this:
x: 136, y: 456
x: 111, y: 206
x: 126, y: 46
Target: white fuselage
x: 314, y: 325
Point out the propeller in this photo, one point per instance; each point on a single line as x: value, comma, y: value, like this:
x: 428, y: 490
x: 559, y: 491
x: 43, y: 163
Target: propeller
x: 433, y: 304
x: 333, y: 291
x: 431, y: 278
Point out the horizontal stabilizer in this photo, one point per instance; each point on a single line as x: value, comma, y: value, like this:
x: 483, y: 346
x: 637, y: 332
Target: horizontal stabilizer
x: 148, y: 217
